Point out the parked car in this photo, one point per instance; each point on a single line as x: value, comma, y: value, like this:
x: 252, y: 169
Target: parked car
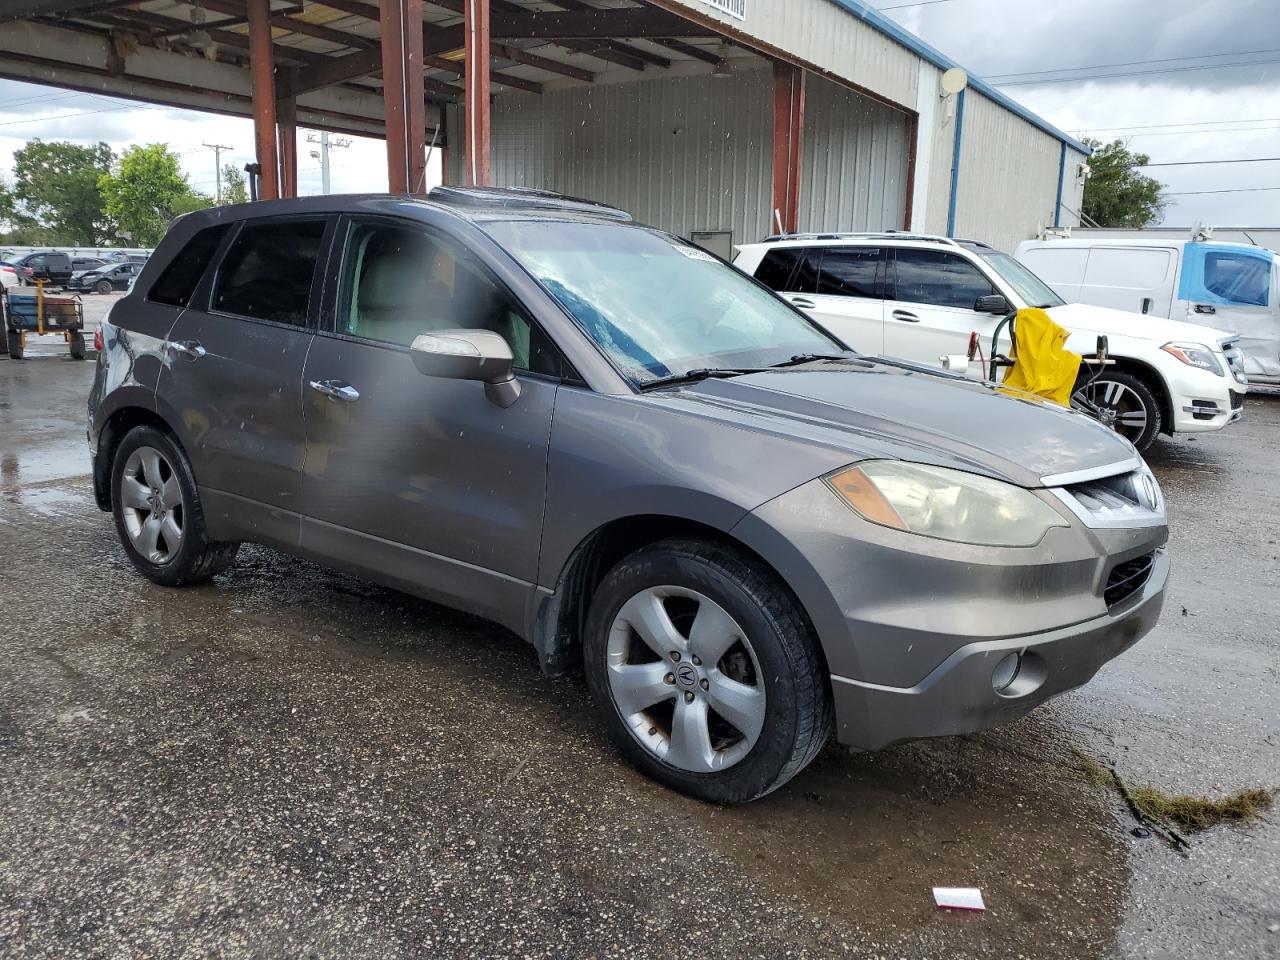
x: 633, y: 456
x: 105, y: 278
x: 1227, y: 286
x: 50, y: 265
x: 81, y: 264
x: 10, y: 274
x: 919, y: 297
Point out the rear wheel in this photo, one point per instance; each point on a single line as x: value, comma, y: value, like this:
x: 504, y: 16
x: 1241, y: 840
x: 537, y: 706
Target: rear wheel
x: 77, y: 345
x: 15, y: 345
x: 706, y: 671
x: 103, y: 286
x: 1122, y: 401
x: 158, y: 515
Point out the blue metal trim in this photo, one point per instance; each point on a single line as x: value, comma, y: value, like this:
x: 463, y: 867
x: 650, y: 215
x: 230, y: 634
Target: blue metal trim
x: 894, y: 31
x: 955, y: 165
x: 1062, y: 174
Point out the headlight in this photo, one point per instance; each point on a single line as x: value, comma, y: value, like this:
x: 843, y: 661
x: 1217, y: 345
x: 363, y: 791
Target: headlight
x: 1194, y: 355
x: 947, y: 504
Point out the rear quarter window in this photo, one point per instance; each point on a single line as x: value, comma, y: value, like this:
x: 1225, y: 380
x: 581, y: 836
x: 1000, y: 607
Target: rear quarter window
x: 777, y: 266
x: 180, y: 278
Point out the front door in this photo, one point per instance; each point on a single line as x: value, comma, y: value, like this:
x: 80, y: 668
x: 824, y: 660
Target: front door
x: 423, y: 480
x: 232, y: 378
x: 930, y: 312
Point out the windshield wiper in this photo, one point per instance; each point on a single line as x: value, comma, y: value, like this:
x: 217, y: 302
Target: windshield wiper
x: 695, y: 376
x: 800, y: 358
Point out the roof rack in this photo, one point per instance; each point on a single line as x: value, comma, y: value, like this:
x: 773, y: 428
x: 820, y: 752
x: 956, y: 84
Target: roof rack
x: 521, y: 198
x: 866, y: 235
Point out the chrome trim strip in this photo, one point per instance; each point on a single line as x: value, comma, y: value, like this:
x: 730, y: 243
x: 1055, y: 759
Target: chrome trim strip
x: 1092, y: 473
x: 1120, y: 519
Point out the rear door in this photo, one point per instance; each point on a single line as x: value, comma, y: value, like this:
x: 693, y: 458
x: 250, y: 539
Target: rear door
x: 1136, y: 279
x: 422, y: 480
x: 840, y: 287
x: 929, y: 313
x: 232, y: 382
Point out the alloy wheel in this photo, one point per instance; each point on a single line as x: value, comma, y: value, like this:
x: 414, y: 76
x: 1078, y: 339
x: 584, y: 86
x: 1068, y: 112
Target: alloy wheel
x: 685, y: 679
x: 151, y: 503
x: 1116, y: 406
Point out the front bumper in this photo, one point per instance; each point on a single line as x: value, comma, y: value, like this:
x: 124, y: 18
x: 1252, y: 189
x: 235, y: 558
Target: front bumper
x: 959, y: 696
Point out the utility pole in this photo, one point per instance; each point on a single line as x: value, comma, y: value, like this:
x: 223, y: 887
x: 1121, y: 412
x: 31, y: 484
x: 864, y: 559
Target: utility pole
x: 217, y: 149
x: 326, y: 144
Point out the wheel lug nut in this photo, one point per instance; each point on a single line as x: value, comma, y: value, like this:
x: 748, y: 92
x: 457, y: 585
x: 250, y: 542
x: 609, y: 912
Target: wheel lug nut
x: 705, y: 685
x: 697, y: 662
x: 688, y: 696
x: 669, y: 678
x: 675, y: 656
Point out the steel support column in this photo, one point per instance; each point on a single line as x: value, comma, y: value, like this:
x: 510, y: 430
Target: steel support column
x: 476, y: 33
x: 264, y: 96
x: 287, y: 124
x: 402, y: 94
x: 788, y: 135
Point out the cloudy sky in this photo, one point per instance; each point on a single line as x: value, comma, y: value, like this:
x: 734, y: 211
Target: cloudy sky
x: 1209, y: 90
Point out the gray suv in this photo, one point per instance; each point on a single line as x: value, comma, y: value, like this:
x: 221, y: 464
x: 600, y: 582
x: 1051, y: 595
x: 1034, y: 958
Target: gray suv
x: 637, y: 458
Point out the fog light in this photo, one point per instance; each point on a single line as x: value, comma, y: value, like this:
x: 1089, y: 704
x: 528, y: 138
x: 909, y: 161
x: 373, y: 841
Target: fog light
x: 1006, y: 672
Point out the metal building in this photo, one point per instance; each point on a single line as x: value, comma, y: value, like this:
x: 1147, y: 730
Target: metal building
x: 723, y: 120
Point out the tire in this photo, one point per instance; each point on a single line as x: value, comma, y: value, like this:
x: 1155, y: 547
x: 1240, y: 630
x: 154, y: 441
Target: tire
x: 102, y: 286
x: 165, y: 538
x: 15, y: 345
x: 77, y: 345
x: 1129, y: 405
x: 773, y: 653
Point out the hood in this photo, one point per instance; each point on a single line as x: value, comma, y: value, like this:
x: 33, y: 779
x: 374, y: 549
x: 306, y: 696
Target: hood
x: 1081, y: 318
x: 888, y: 411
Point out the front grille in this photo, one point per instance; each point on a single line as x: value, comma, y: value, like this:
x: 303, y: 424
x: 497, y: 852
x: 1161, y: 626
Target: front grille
x: 1127, y: 579
x: 1237, y: 400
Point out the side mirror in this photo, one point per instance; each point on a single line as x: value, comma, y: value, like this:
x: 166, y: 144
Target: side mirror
x: 468, y: 355
x: 992, y: 303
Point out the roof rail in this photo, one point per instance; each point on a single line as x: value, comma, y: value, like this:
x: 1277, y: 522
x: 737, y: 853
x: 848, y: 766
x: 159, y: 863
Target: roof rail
x: 864, y: 235
x: 521, y: 198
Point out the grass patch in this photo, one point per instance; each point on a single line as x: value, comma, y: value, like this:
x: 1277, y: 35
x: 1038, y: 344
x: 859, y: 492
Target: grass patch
x: 1199, y: 813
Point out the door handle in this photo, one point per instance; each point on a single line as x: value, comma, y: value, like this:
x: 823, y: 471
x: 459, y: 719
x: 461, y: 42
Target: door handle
x: 1206, y: 308
x: 802, y: 303
x: 905, y: 316
x: 191, y: 349
x: 336, y: 390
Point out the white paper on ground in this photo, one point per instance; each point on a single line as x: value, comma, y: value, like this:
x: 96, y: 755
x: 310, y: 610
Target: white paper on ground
x: 959, y: 898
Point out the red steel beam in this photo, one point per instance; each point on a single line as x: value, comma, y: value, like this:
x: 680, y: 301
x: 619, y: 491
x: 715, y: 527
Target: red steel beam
x: 788, y: 135
x: 402, y: 94
x: 264, y: 96
x: 476, y: 48
x: 287, y: 119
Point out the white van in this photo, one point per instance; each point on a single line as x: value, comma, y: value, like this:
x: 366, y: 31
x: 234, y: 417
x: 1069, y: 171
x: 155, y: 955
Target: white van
x: 1232, y: 287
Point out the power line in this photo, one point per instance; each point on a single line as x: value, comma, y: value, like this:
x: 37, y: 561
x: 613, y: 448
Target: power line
x: 918, y: 3
x: 1139, y: 73
x: 1198, y: 133
x: 68, y: 116
x: 1131, y: 63
x: 1196, y: 163
x: 1188, y: 123
x: 1201, y: 193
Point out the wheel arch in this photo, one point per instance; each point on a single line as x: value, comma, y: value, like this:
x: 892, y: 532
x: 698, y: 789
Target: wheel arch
x: 1153, y: 379
x: 560, y: 616
x: 113, y: 431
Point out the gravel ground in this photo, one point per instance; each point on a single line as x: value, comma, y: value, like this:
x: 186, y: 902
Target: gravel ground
x: 293, y: 762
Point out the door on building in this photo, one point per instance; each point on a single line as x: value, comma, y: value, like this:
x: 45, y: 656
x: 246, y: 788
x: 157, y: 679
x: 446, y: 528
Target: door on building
x: 929, y: 311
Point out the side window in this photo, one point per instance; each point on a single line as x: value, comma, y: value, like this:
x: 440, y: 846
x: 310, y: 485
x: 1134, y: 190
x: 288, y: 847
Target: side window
x: 1238, y: 279
x: 850, y: 272
x: 267, y: 273
x: 938, y: 279
x: 806, y: 279
x: 178, y: 282
x: 777, y: 266
x: 399, y: 282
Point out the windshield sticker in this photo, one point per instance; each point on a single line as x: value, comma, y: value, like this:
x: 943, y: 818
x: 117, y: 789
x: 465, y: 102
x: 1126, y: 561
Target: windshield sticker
x: 693, y: 253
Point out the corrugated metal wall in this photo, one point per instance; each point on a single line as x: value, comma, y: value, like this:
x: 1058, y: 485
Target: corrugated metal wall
x: 854, y: 173
x: 1008, y: 175
x: 695, y: 153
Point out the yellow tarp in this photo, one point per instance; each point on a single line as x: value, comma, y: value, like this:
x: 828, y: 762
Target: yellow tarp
x: 1042, y: 364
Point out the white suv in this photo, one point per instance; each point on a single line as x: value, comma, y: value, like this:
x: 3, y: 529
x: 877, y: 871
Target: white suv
x: 920, y: 297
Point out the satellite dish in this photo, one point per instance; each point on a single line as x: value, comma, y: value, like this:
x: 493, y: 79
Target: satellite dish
x: 953, y: 81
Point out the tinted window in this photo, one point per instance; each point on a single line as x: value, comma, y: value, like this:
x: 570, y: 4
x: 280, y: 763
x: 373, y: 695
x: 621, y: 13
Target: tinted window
x: 399, y: 282
x: 850, y: 272
x: 267, y: 272
x: 777, y: 266
x: 806, y: 278
x: 938, y: 278
x: 178, y: 282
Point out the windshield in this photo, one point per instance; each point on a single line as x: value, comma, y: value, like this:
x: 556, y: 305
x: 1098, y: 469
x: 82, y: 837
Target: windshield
x: 656, y: 306
x: 1033, y: 291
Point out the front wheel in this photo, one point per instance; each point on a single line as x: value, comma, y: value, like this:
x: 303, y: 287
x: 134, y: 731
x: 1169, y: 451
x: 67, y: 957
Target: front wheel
x: 1122, y: 401
x: 103, y: 286
x: 157, y: 512
x: 76, y: 345
x: 706, y: 671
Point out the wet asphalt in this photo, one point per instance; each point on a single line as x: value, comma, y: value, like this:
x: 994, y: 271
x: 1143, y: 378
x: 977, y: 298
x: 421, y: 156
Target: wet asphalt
x: 291, y: 762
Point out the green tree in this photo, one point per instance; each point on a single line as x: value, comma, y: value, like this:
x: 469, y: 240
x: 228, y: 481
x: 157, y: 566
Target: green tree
x: 145, y: 191
x: 56, y: 194
x: 233, y: 187
x: 1117, y: 194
